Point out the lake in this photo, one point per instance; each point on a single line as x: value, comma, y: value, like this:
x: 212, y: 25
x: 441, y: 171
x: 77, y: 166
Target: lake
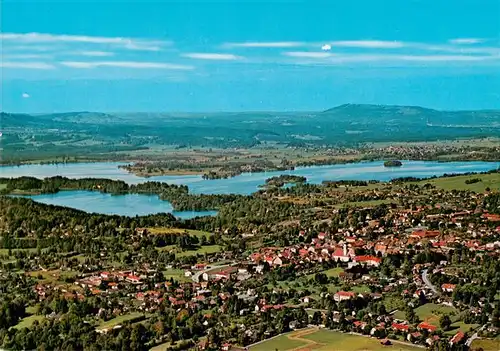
x: 124, y: 205
x: 246, y: 183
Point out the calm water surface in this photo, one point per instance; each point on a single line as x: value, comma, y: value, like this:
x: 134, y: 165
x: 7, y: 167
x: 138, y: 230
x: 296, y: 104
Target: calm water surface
x: 247, y: 183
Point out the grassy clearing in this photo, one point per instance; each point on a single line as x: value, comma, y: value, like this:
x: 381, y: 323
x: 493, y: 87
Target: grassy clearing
x: 431, y: 312
x: 201, y: 251
x: 120, y: 319
x: 399, y: 314
x: 54, y: 276
x: 176, y: 274
x: 461, y: 326
x: 3, y: 186
x: 27, y: 322
x: 334, y: 272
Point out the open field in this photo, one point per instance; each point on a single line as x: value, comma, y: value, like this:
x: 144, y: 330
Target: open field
x: 201, y: 251
x: 487, y: 344
x: 178, y: 231
x: 176, y: 274
x: 431, y: 312
x: 6, y: 251
x: 27, y: 322
x: 491, y: 181
x: 120, y: 319
x: 53, y: 276
x: 326, y: 340
x: 281, y: 343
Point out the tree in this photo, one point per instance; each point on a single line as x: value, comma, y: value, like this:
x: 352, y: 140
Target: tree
x: 445, y: 322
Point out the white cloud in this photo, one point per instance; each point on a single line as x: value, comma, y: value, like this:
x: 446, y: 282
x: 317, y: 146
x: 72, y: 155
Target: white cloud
x: 466, y: 41
x: 126, y: 64
x: 127, y: 43
x: 326, y: 47
x: 24, y: 56
x: 26, y: 65
x: 212, y: 56
x: 93, y: 53
x: 25, y: 95
x: 264, y: 44
x: 375, y: 44
x: 308, y: 54
x: 430, y: 58
x: 332, y: 59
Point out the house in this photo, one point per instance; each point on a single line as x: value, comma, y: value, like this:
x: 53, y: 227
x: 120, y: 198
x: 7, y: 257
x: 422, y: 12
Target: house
x: 105, y: 275
x: 380, y: 248
x: 426, y: 326
x: 400, y: 327
x: 343, y: 296
x: 413, y: 336
x: 131, y: 278
x: 359, y: 324
x: 458, y: 337
x: 448, y: 287
x: 277, y: 262
x: 368, y: 260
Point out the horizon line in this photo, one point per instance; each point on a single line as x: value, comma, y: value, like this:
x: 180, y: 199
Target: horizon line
x: 254, y: 111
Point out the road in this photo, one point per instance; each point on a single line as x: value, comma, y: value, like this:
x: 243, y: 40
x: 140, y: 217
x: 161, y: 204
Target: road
x: 474, y: 336
x: 428, y: 283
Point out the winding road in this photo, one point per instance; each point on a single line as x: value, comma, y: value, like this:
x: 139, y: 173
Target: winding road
x: 427, y: 282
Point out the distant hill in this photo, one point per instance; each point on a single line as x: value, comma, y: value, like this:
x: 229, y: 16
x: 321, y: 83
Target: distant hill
x: 412, y: 114
x: 347, y: 125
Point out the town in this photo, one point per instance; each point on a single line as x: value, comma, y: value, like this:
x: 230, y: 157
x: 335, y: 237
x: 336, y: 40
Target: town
x: 408, y: 264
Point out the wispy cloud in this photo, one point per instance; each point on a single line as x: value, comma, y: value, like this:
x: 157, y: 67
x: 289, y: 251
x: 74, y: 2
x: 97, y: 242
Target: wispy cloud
x: 466, y: 41
x: 26, y: 65
x: 127, y: 43
x: 25, y: 56
x: 126, y: 64
x: 93, y: 53
x: 327, y: 58
x: 265, y: 44
x: 25, y: 95
x: 375, y: 44
x: 212, y: 56
x: 308, y: 54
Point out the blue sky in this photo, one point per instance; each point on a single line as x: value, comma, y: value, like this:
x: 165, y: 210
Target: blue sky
x: 248, y: 55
